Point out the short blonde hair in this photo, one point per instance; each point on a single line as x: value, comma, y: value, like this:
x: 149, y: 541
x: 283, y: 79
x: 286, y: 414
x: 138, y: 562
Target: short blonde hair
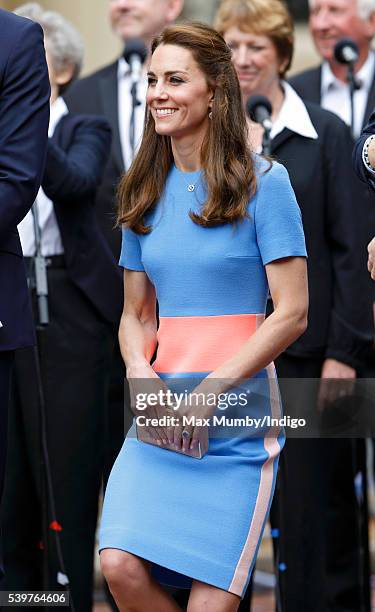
x: 269, y: 18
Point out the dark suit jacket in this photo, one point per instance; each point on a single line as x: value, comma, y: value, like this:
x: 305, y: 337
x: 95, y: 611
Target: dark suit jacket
x: 24, y: 116
x: 308, y: 86
x: 340, y: 312
x: 359, y: 167
x: 98, y: 94
x: 76, y: 156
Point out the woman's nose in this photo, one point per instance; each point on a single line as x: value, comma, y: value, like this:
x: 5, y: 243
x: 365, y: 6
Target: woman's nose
x: 160, y: 90
x: 242, y: 56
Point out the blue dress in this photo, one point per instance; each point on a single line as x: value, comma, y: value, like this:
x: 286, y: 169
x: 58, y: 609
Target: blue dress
x: 204, y: 519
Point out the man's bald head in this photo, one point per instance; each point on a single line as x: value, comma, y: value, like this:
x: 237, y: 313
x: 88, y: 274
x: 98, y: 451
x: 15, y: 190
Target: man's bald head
x: 142, y: 19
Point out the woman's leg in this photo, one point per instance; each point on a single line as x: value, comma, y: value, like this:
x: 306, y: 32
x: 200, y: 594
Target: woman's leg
x: 131, y: 584
x: 207, y: 598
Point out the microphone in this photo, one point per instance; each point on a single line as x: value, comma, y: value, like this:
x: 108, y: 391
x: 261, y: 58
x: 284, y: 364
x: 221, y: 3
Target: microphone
x: 259, y: 109
x: 135, y: 53
x: 346, y: 51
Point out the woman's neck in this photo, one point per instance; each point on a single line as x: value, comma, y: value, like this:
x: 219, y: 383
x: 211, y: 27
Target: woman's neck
x: 187, y: 153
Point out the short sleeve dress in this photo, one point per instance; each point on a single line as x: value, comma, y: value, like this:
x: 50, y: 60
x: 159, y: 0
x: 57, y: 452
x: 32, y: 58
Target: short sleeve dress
x: 204, y: 519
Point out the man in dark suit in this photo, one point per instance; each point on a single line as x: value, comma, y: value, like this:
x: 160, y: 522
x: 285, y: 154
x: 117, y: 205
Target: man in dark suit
x: 364, y: 154
x: 24, y: 114
x: 364, y: 166
x: 330, y: 21
x: 107, y: 92
x: 74, y: 350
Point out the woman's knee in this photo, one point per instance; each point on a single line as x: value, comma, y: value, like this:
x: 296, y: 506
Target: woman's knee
x: 122, y: 569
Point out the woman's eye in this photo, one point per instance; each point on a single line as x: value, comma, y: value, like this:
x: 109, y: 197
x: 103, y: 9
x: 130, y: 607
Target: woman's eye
x: 176, y: 80
x: 232, y: 45
x: 151, y: 81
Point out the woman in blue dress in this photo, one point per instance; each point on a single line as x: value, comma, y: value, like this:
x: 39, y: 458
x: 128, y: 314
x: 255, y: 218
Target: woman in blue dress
x: 209, y: 229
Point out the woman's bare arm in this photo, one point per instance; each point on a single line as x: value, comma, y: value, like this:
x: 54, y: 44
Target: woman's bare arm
x: 137, y: 333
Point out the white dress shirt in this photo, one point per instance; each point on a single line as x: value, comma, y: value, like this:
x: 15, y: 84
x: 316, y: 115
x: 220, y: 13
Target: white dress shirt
x: 293, y: 115
x: 51, y: 243
x: 125, y: 108
x: 335, y: 94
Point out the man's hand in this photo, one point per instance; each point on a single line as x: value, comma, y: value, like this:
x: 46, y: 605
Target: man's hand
x: 371, y: 153
x: 337, y: 381
x: 371, y: 258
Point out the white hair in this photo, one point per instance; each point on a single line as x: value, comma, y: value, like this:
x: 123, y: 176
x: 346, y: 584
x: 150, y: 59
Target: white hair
x: 365, y: 8
x: 65, y: 44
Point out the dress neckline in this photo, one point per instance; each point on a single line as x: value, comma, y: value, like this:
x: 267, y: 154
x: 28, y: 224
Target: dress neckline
x: 189, y: 175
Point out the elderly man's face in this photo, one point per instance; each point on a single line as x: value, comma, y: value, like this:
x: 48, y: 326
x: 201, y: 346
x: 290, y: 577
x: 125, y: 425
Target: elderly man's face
x: 142, y: 18
x: 331, y: 20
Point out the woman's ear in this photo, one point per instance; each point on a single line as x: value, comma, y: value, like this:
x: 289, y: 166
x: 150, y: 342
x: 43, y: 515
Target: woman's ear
x: 282, y: 66
x: 64, y: 76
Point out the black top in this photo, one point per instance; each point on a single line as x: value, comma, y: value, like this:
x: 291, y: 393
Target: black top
x: 97, y: 94
x: 340, y: 313
x: 76, y: 157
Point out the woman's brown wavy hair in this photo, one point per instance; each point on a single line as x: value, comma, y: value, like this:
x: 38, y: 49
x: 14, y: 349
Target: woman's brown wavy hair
x: 225, y: 155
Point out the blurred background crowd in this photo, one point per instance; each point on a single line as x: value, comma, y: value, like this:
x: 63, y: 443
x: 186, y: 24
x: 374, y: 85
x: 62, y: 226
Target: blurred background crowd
x: 101, y: 47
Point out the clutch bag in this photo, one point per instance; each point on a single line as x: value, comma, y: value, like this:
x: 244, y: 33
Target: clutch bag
x: 195, y: 453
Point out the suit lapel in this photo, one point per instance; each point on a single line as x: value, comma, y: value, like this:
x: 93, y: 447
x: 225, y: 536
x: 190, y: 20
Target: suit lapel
x: 280, y: 139
x: 314, y: 86
x: 308, y: 85
x: 109, y: 96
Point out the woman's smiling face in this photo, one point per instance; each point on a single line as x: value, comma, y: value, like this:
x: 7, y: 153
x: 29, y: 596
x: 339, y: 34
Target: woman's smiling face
x: 178, y: 95
x: 255, y: 59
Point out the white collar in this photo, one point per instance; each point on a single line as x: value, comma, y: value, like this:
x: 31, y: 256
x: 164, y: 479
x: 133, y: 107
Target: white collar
x: 57, y: 111
x: 293, y: 115
x: 364, y: 76
x: 123, y: 68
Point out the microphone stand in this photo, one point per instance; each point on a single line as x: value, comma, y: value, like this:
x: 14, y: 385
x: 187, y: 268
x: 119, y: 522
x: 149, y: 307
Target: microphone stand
x: 41, y: 289
x: 267, y: 139
x: 40, y: 284
x: 135, y: 103
x: 353, y: 87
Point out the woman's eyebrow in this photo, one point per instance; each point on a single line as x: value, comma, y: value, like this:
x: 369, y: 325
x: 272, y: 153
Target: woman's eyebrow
x: 168, y: 72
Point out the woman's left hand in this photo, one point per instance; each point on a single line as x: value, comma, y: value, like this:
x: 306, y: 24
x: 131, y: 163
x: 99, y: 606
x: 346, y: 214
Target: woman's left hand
x: 193, y: 422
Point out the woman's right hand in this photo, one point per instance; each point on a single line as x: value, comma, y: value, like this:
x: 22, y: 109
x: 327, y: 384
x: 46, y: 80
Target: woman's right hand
x: 145, y: 387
